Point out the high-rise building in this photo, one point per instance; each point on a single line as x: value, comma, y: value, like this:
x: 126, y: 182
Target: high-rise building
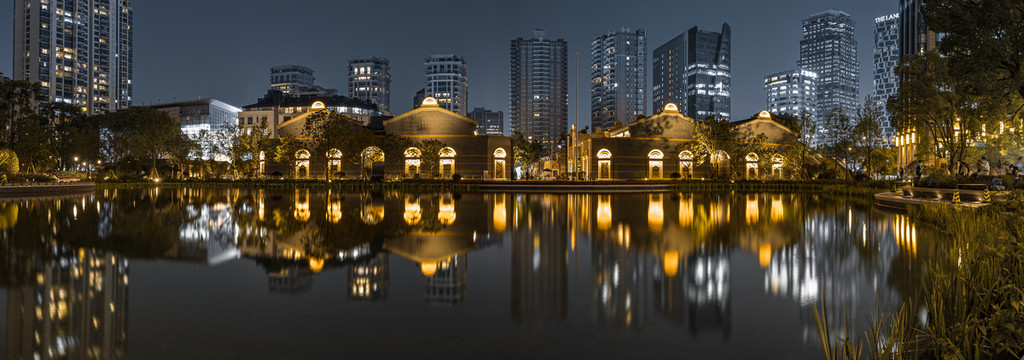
x: 884, y: 81
x: 417, y: 99
x: 792, y: 92
x: 447, y: 81
x: 538, y: 92
x: 369, y: 78
x: 618, y: 77
x: 914, y: 36
x: 693, y: 71
x: 297, y: 80
x: 79, y: 51
x: 829, y: 49
x: 489, y: 122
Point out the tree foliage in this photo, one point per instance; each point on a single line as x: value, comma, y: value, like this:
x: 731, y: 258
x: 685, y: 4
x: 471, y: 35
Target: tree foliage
x: 526, y: 153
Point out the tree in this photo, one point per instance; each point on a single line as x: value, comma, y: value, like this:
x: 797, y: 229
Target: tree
x: 183, y: 150
x: 867, y: 134
x: 712, y: 136
x: 526, y: 153
x: 151, y: 133
x: 837, y: 136
x: 18, y: 102
x: 286, y: 151
x: 33, y: 144
x: 430, y: 155
x: 328, y: 130
x: 245, y: 146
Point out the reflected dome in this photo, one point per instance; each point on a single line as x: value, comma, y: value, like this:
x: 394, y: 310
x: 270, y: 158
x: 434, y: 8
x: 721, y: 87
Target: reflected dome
x: 428, y: 269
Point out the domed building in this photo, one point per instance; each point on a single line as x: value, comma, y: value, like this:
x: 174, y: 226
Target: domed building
x: 657, y: 146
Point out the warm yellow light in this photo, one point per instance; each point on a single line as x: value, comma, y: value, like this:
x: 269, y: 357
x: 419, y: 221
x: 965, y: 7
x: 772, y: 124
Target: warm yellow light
x: 500, y: 216
x: 604, y: 212
x: 764, y: 255
x: 316, y: 264
x: 428, y: 269
x: 671, y: 263
x: 764, y: 115
x: 429, y: 101
x: 670, y: 107
x: 317, y: 105
x: 655, y: 212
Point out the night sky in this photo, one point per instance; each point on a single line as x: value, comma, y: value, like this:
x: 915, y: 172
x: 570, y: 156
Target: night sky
x: 187, y: 49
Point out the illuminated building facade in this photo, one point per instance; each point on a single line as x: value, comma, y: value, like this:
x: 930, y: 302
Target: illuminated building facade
x: 829, y: 49
x: 447, y: 81
x: 538, y: 91
x: 490, y: 122
x: 279, y: 110
x: 792, y: 92
x: 207, y: 116
x: 693, y: 71
x: 369, y: 79
x: 447, y: 285
x: 79, y: 51
x: 886, y: 58
x: 648, y: 149
x: 618, y: 77
x: 368, y: 278
x: 539, y: 269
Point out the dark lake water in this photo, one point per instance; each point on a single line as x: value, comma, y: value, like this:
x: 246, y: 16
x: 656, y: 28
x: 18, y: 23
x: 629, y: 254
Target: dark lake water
x: 293, y: 274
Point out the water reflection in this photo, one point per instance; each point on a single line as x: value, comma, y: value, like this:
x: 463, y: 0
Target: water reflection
x: 621, y: 262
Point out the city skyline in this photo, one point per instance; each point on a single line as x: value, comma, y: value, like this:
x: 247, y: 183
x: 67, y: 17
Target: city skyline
x: 225, y: 74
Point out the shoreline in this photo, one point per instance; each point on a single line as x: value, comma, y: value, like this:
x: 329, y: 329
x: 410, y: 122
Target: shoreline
x: 36, y: 190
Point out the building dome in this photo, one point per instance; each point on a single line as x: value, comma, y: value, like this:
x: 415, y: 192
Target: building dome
x: 429, y: 101
x: 670, y: 107
x: 764, y: 115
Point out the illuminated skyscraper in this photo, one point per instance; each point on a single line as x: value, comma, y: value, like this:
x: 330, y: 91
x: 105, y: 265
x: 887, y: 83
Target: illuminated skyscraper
x: 884, y: 82
x: 693, y: 71
x: 369, y: 78
x: 538, y: 88
x: 618, y: 77
x: 792, y: 92
x: 80, y: 51
x: 489, y: 122
x: 368, y: 278
x: 829, y: 49
x: 447, y: 81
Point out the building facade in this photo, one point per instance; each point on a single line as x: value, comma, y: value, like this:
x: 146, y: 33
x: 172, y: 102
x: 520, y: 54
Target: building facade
x: 618, y: 77
x: 296, y: 80
x: 447, y: 80
x: 914, y: 36
x: 79, y: 51
x: 369, y: 79
x: 539, y: 88
x: 693, y: 70
x: 886, y: 58
x: 792, y: 92
x: 490, y: 122
x: 281, y: 112
x: 204, y: 117
x: 829, y: 49
x: 657, y: 146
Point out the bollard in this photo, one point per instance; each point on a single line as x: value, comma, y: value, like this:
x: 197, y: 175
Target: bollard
x: 956, y: 196
x: 988, y: 196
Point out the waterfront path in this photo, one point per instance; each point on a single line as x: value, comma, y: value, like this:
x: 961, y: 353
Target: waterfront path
x: 17, y: 190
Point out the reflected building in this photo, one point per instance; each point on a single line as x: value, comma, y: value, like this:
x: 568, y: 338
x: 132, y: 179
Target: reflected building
x: 707, y: 291
x: 207, y: 235
x: 539, y: 260
x: 291, y: 279
x: 446, y: 281
x: 368, y: 278
x: 620, y: 280
x: 75, y: 308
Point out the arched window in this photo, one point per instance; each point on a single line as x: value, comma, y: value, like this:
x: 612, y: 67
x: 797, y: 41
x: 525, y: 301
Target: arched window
x: 604, y: 164
x: 499, y: 163
x: 333, y: 163
x: 447, y: 162
x: 655, y: 165
x: 412, y: 161
x: 302, y: 164
x: 752, y: 160
x: 686, y: 163
x: 263, y: 164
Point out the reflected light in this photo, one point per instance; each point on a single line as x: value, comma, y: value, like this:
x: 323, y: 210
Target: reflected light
x: 604, y: 212
x: 413, y: 213
x: 752, y: 210
x: 777, y: 211
x: 372, y: 214
x: 428, y: 269
x: 671, y: 263
x: 500, y: 217
x: 764, y: 255
x: 334, y: 212
x: 446, y: 210
x: 686, y: 212
x: 316, y: 264
x: 655, y: 212
x: 301, y: 206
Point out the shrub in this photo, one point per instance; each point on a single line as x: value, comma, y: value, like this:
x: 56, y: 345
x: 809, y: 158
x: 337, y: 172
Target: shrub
x: 456, y: 177
x: 675, y: 175
x: 8, y: 162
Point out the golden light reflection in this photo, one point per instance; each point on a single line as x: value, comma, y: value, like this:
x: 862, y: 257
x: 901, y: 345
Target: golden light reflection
x: 500, y: 217
x: 655, y: 211
x: 686, y: 211
x: 764, y: 255
x: 446, y: 210
x: 719, y: 214
x: 905, y: 233
x: 604, y: 212
x: 260, y: 205
x: 316, y: 264
x: 428, y: 268
x: 334, y: 211
x: 671, y: 263
x: 753, y: 210
x: 301, y: 205
x: 413, y: 212
x: 778, y: 213
x: 371, y: 213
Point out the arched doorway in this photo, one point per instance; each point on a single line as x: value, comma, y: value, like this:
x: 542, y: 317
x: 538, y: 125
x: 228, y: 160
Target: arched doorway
x: 686, y: 164
x: 655, y: 164
x: 263, y: 164
x: 778, y: 161
x: 604, y: 164
x: 373, y: 161
x: 752, y: 159
x: 333, y: 163
x: 302, y: 164
x: 447, y: 162
x: 413, y: 162
x: 720, y: 161
x: 499, y: 164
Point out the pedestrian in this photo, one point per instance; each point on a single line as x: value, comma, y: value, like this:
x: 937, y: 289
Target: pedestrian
x: 983, y: 167
x: 1019, y: 166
